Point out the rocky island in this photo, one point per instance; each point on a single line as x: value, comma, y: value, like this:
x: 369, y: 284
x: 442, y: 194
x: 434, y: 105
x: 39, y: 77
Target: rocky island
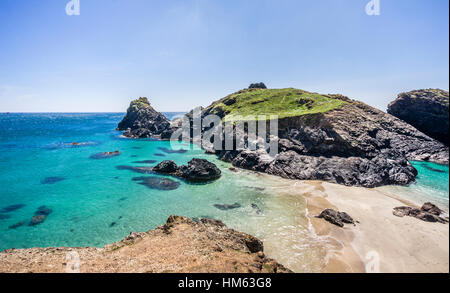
x: 142, y: 121
x: 323, y: 137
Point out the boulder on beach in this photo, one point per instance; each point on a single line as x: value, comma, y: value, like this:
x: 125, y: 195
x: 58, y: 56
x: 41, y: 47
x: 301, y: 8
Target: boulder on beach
x: 428, y: 213
x: 336, y: 218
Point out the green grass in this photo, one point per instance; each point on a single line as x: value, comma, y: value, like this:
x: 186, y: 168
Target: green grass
x: 281, y: 102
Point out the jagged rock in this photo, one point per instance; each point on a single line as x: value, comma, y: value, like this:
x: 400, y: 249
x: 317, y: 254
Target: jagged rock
x: 166, y: 167
x: 259, y: 85
x: 199, y: 170
x: 142, y: 121
x: 427, y: 110
x: 335, y: 217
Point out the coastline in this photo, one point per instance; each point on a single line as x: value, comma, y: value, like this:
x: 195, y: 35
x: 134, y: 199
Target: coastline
x: 404, y: 245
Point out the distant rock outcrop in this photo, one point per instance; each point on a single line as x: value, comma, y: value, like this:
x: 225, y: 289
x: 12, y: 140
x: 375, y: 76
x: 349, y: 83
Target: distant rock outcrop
x: 142, y: 121
x: 426, y: 110
x: 259, y: 85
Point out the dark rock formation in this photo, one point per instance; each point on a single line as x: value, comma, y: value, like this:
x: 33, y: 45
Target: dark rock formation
x: 197, y: 170
x: 428, y: 213
x: 142, y: 121
x: 166, y: 167
x: 336, y: 218
x: 259, y: 85
x: 427, y: 110
x: 105, y: 155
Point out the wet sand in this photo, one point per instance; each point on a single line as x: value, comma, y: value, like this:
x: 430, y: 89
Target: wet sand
x: 402, y: 245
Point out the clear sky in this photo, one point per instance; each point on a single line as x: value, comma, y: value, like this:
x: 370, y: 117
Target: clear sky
x: 185, y: 53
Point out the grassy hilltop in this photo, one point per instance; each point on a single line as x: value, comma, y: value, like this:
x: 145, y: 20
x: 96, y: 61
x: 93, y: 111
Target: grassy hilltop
x: 287, y: 102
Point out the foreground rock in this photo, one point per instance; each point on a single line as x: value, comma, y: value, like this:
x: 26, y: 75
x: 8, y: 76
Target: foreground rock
x: 180, y: 246
x: 336, y: 218
x: 427, y: 110
x: 142, y: 121
x: 197, y: 170
x: 428, y: 213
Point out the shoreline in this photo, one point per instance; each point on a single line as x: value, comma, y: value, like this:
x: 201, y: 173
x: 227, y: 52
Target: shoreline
x: 404, y: 245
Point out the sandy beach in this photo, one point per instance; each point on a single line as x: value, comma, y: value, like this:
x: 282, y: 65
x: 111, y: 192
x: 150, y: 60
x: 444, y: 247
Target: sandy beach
x: 402, y: 245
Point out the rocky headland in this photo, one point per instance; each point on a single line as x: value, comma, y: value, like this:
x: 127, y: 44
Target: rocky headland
x: 324, y: 137
x: 179, y: 246
x: 427, y: 110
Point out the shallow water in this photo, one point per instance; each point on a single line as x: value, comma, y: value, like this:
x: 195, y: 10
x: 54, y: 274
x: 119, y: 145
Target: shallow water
x: 94, y: 203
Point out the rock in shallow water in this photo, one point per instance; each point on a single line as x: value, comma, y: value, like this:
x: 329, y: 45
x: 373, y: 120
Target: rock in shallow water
x: 52, y: 180
x: 36, y: 220
x: 12, y: 208
x: 226, y: 207
x: 142, y: 170
x: 105, y: 155
x: 158, y: 183
x: 197, y: 170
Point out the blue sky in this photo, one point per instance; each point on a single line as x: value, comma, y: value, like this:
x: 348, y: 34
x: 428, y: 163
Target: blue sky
x: 185, y: 53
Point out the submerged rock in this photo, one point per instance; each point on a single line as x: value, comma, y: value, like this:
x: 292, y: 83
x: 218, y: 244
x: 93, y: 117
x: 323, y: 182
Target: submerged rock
x: 36, y: 220
x: 16, y: 225
x: 12, y: 208
x: 336, y: 218
x: 4, y: 217
x: 160, y: 155
x: 158, y: 183
x: 145, y: 162
x: 105, y: 155
x: 427, y: 110
x: 226, y: 207
x: 169, y: 151
x: 142, y: 121
x: 52, y: 180
x: 43, y: 211
x: 142, y: 170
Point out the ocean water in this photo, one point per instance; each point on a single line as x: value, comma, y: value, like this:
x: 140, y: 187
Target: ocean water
x: 93, y: 202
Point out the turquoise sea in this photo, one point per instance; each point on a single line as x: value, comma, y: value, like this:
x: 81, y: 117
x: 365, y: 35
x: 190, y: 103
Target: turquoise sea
x: 92, y: 202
